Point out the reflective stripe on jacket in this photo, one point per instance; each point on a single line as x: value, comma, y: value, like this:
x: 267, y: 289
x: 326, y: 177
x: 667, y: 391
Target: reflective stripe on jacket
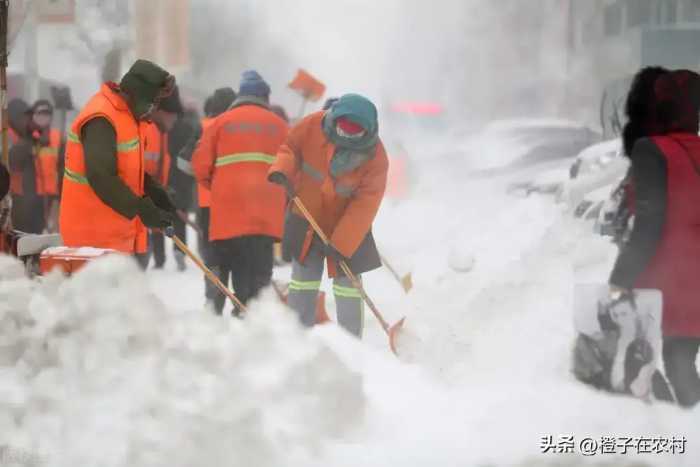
x: 232, y: 159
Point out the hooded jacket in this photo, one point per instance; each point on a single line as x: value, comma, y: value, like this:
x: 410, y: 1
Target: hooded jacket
x: 341, y: 182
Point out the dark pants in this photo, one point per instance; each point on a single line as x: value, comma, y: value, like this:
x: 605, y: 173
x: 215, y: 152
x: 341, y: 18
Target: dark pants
x: 204, y: 244
x: 180, y: 230
x: 158, y: 248
x: 142, y: 260
x: 28, y: 213
x: 247, y: 261
x: 206, y: 252
x: 680, y: 354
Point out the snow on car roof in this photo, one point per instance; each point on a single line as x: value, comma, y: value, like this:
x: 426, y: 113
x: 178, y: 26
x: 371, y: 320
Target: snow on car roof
x: 529, y: 123
x: 600, y: 149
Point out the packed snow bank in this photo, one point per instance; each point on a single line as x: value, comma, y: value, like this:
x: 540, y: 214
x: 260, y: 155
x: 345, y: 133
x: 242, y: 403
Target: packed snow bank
x: 499, y: 339
x: 503, y: 355
x: 96, y: 370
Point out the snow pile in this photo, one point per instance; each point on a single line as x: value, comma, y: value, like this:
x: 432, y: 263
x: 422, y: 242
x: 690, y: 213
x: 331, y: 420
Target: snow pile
x: 500, y: 366
x: 112, y: 377
x: 496, y: 343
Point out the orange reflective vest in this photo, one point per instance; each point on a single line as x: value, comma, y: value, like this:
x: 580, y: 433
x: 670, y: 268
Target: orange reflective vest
x: 203, y: 193
x: 84, y: 219
x: 47, y: 165
x: 233, y: 158
x: 156, y: 155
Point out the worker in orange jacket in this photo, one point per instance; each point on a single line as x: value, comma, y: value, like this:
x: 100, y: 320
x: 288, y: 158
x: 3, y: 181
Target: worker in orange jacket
x: 34, y: 160
x: 247, y: 211
x: 334, y: 161
x: 108, y: 200
x: 27, y: 185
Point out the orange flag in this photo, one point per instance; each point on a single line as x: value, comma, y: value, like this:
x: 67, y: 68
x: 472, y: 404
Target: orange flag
x: 308, y: 86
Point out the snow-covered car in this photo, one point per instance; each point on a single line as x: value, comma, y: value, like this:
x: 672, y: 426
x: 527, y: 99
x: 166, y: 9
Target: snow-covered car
x: 509, y: 145
x: 590, y: 207
x: 600, y: 166
x: 593, y: 191
x: 597, y: 165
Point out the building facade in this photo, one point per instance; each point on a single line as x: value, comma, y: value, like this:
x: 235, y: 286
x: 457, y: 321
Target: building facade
x: 611, y: 39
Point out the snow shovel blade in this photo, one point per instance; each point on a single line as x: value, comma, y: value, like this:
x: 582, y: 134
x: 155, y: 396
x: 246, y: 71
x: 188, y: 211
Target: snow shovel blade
x: 393, y: 333
x: 407, y: 282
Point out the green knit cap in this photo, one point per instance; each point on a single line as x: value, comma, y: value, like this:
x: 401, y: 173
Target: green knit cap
x: 143, y: 82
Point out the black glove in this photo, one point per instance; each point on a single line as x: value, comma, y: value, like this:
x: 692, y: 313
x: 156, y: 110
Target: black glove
x: 152, y: 216
x: 4, y: 181
x: 281, y: 179
x: 331, y: 252
x: 158, y: 194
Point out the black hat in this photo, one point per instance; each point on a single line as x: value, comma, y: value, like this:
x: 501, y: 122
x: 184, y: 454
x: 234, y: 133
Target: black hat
x: 207, y: 106
x: 144, y: 82
x: 222, y: 100
x: 42, y: 104
x: 17, y: 113
x: 172, y: 104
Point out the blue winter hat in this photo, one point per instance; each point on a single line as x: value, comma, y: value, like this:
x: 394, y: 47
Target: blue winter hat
x: 252, y: 84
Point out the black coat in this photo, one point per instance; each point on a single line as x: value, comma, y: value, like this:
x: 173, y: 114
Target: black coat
x: 182, y: 184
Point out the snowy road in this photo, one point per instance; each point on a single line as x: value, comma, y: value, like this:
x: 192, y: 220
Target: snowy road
x: 116, y: 372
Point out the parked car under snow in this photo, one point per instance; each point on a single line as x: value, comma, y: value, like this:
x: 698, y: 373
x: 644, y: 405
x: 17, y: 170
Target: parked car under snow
x: 537, y: 152
x: 598, y: 165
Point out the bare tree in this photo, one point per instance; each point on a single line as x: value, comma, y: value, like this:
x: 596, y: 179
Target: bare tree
x: 102, y: 29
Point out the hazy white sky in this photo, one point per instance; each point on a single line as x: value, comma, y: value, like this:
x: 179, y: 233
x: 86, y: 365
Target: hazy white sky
x: 477, y: 57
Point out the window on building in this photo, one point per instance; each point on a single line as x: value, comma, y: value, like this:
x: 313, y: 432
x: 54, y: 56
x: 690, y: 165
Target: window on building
x: 691, y: 10
x: 669, y: 11
x: 639, y: 12
x: 613, y: 19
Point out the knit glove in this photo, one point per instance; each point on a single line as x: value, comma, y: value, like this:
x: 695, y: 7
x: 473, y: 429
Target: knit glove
x: 152, y: 216
x: 281, y: 179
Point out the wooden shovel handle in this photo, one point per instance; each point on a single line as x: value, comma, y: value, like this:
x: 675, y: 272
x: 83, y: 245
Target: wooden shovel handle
x: 208, y: 273
x: 343, y: 265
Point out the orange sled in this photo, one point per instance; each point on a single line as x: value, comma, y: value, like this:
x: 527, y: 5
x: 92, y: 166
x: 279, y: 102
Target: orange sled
x: 69, y: 260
